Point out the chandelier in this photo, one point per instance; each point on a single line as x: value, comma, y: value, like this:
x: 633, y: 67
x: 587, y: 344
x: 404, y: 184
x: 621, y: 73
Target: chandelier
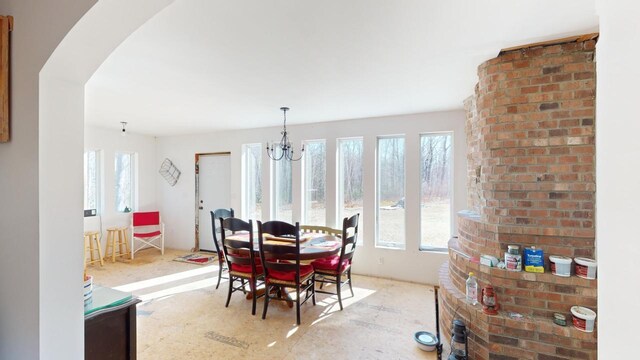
x: 283, y: 149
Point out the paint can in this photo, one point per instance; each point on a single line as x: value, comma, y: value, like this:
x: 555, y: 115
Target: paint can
x: 512, y: 258
x: 585, y: 268
x: 560, y: 265
x: 584, y: 318
x: 533, y: 260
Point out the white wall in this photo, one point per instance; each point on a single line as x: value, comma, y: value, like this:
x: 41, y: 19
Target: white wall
x: 61, y: 141
x: 618, y: 177
x: 39, y: 27
x: 110, y: 141
x: 178, y: 203
x: 41, y: 308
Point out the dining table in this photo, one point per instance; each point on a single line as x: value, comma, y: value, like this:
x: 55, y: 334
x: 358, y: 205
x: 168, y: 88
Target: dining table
x: 313, y: 246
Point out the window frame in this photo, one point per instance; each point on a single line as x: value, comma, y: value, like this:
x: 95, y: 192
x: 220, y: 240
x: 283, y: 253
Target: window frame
x: 247, y: 210
x: 134, y: 180
x: 378, y: 243
x: 305, y: 195
x: 339, y: 178
x: 429, y: 248
x: 275, y: 202
x: 98, y: 177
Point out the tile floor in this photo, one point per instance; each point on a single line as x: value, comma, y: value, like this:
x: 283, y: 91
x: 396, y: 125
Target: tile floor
x: 182, y: 316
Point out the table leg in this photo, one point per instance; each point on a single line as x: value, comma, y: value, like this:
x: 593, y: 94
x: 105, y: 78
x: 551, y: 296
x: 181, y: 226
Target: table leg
x: 284, y: 295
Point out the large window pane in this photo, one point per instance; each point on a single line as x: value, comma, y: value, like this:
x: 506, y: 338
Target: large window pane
x: 435, y: 183
x: 315, y: 174
x: 350, y: 189
x: 125, y: 181
x: 390, y: 195
x: 253, y: 181
x: 283, y: 191
x: 92, y: 180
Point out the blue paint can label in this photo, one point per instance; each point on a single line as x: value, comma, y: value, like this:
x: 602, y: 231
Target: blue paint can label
x: 533, y: 260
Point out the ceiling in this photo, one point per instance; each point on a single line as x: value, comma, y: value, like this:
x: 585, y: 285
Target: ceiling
x: 207, y: 65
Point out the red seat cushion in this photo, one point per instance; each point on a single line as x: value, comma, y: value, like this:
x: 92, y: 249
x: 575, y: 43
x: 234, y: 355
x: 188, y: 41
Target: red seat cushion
x: 330, y: 263
x: 291, y: 275
x: 147, y: 235
x: 246, y: 268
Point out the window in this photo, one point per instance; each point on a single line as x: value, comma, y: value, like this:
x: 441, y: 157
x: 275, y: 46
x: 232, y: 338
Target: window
x: 125, y: 181
x: 283, y: 191
x: 350, y: 189
x: 435, y: 187
x: 315, y: 174
x: 92, y: 180
x: 390, y: 193
x: 253, y: 181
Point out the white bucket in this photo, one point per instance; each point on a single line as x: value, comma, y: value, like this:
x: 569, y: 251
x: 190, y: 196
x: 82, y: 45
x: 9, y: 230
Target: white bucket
x: 586, y: 268
x: 584, y: 319
x: 560, y: 265
x: 88, y: 288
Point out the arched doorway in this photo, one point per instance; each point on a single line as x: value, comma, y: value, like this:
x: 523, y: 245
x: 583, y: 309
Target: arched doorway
x: 61, y: 143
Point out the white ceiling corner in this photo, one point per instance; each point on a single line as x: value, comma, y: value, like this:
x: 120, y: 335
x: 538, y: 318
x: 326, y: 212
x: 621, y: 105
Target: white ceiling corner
x: 207, y: 65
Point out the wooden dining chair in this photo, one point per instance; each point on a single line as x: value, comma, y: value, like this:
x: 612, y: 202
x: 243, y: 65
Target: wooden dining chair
x: 333, y: 268
x: 242, y: 262
x: 282, y: 268
x: 215, y: 215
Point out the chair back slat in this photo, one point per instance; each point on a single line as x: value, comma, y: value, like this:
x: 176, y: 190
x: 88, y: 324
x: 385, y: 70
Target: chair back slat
x: 349, y: 238
x: 148, y: 218
x: 235, y: 250
x: 280, y: 228
x: 272, y: 254
x: 215, y: 230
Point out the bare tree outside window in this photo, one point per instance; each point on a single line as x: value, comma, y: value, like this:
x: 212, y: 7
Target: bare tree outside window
x: 315, y: 174
x: 253, y: 181
x: 92, y: 179
x: 435, y: 182
x: 390, y: 195
x: 125, y: 181
x: 350, y: 189
x: 283, y: 191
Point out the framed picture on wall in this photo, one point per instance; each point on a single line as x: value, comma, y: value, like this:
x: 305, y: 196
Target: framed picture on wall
x: 6, y: 25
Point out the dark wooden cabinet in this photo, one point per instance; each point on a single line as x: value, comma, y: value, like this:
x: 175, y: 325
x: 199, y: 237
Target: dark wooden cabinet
x: 111, y: 333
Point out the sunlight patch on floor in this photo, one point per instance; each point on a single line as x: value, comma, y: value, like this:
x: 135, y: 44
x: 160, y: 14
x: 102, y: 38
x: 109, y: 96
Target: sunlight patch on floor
x: 195, y: 285
x: 332, y: 306
x: 138, y: 285
x: 292, y: 331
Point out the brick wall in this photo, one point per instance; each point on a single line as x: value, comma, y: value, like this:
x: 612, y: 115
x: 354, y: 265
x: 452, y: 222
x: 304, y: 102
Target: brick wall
x: 531, y: 179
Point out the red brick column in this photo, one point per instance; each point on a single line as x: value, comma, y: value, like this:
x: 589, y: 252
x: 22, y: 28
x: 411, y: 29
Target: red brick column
x: 531, y: 178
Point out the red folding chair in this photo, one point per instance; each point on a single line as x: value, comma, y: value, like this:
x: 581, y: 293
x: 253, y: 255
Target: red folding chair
x: 147, y: 228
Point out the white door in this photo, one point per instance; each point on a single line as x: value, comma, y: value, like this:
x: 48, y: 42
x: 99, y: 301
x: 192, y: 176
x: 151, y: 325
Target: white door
x: 214, y: 187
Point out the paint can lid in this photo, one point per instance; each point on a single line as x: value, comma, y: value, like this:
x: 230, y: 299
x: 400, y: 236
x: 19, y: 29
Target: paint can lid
x: 560, y: 259
x: 583, y: 312
x: 559, y: 316
x: 585, y: 261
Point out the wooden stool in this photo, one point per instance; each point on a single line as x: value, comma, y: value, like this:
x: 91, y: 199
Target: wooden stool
x: 122, y: 248
x: 91, y: 238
